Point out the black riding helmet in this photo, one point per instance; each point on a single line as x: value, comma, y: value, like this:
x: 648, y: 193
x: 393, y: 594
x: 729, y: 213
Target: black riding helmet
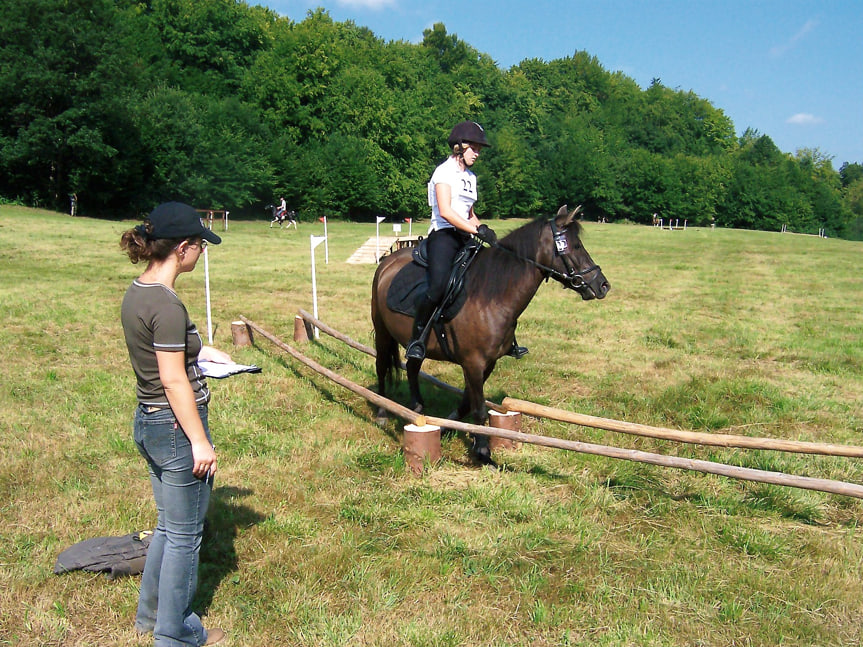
x: 467, y: 132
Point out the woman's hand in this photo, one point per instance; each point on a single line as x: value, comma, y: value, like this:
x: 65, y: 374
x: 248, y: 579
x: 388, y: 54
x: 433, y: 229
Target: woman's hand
x: 205, y: 460
x: 211, y: 354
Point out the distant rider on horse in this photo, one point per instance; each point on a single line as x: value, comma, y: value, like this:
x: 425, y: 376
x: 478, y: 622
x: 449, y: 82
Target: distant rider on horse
x: 452, y: 192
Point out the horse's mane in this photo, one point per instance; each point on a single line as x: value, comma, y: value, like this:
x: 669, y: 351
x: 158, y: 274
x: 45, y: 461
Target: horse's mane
x: 495, y: 269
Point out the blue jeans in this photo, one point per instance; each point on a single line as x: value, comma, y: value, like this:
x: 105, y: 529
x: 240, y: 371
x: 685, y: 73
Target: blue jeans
x: 170, y: 576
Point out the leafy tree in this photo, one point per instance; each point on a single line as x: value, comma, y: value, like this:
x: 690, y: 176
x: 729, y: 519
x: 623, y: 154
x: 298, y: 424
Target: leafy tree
x: 222, y: 104
x: 208, y: 152
x: 202, y: 45
x: 511, y: 177
x: 850, y: 173
x: 64, y: 79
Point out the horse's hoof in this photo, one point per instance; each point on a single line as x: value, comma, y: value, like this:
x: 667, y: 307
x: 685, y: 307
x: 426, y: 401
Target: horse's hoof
x: 417, y: 408
x: 482, y: 455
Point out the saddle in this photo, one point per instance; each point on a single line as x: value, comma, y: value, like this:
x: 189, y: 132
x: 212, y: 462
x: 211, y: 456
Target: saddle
x: 410, y: 284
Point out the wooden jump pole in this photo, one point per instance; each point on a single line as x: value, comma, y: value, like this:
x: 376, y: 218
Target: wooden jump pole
x: 707, y: 467
x: 393, y: 407
x: 692, y: 437
x: 332, y: 332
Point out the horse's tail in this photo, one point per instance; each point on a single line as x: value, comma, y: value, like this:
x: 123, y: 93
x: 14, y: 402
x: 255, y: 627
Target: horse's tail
x: 387, y: 360
x: 390, y: 363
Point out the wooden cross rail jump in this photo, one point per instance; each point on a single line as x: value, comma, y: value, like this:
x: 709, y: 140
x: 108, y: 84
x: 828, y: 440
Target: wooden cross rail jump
x: 707, y: 467
x: 662, y: 433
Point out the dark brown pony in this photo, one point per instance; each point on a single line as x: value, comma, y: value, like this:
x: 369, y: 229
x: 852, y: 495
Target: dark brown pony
x: 500, y: 283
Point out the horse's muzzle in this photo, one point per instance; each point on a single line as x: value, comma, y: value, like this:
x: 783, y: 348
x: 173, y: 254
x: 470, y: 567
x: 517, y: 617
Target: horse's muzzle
x: 596, y: 288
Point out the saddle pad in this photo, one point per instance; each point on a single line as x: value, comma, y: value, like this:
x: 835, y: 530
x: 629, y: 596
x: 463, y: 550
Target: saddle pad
x: 409, y: 285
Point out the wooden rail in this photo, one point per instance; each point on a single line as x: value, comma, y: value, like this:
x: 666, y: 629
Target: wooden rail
x: 332, y: 332
x: 693, y: 437
x: 707, y: 467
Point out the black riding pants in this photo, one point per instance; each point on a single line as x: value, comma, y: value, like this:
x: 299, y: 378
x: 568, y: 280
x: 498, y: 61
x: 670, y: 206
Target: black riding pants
x: 443, y: 246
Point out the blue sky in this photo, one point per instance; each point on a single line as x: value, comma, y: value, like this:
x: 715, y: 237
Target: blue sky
x: 790, y: 69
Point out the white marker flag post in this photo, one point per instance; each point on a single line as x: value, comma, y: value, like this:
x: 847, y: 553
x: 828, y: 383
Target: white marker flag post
x: 207, y: 281
x: 315, y: 241
x: 380, y: 219
x: 326, y: 243
x: 207, y: 291
x: 410, y: 226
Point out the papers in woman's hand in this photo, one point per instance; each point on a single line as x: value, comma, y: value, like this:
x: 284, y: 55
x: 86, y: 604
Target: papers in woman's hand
x: 217, y: 370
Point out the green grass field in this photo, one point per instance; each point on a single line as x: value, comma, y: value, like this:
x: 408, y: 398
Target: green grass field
x: 320, y: 536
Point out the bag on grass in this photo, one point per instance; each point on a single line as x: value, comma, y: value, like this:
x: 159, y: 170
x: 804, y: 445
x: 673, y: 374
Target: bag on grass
x: 116, y: 556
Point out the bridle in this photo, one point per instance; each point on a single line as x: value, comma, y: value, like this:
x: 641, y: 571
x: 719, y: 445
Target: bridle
x: 572, y: 278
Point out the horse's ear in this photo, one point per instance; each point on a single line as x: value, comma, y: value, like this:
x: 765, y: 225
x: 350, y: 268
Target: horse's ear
x: 564, y: 218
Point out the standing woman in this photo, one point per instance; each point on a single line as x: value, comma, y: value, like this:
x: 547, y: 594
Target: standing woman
x: 171, y: 430
x: 451, y: 194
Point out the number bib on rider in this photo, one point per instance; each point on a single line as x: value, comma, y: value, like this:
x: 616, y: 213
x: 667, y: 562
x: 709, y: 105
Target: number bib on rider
x: 463, y: 191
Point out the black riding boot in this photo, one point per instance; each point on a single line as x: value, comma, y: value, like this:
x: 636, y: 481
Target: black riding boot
x: 517, y: 351
x: 416, y: 347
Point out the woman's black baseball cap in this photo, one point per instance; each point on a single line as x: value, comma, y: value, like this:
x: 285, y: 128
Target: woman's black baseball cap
x: 178, y: 220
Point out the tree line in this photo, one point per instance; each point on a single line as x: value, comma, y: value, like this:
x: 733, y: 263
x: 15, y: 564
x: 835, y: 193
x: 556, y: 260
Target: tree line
x: 226, y: 105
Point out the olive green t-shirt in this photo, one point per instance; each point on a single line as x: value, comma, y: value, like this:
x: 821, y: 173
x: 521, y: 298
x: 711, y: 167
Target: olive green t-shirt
x: 154, y: 319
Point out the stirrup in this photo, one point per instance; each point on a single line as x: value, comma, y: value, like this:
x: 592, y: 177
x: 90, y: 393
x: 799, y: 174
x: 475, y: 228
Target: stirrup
x: 415, y: 350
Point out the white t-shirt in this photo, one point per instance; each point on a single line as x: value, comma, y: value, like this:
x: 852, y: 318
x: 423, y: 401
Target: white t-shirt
x: 462, y: 191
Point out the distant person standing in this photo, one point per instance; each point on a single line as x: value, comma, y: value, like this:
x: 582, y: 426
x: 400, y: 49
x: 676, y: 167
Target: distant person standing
x: 73, y: 204
x: 170, y: 424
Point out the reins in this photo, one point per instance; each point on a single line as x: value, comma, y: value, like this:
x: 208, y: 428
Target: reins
x: 561, y: 246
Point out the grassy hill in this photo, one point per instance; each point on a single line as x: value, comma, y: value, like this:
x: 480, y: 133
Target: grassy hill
x: 318, y: 535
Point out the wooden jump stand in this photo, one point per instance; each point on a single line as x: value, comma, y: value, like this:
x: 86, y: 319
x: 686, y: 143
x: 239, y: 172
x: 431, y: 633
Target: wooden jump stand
x: 672, y: 225
x: 210, y: 215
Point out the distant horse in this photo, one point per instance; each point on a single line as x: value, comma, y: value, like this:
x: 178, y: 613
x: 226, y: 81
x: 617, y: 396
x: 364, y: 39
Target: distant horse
x: 499, y: 284
x: 280, y: 216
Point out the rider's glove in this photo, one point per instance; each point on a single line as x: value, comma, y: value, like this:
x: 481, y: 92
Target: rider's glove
x: 486, y: 234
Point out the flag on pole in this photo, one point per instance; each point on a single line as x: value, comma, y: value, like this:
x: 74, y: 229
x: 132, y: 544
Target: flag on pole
x: 323, y: 218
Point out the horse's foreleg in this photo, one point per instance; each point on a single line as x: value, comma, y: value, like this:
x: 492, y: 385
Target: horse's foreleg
x: 474, y: 381
x: 463, y: 409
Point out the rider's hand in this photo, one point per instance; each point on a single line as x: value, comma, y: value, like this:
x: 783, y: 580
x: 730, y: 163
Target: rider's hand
x: 486, y: 234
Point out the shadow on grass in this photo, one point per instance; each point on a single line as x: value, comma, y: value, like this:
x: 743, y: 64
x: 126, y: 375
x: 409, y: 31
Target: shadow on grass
x: 218, y: 553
